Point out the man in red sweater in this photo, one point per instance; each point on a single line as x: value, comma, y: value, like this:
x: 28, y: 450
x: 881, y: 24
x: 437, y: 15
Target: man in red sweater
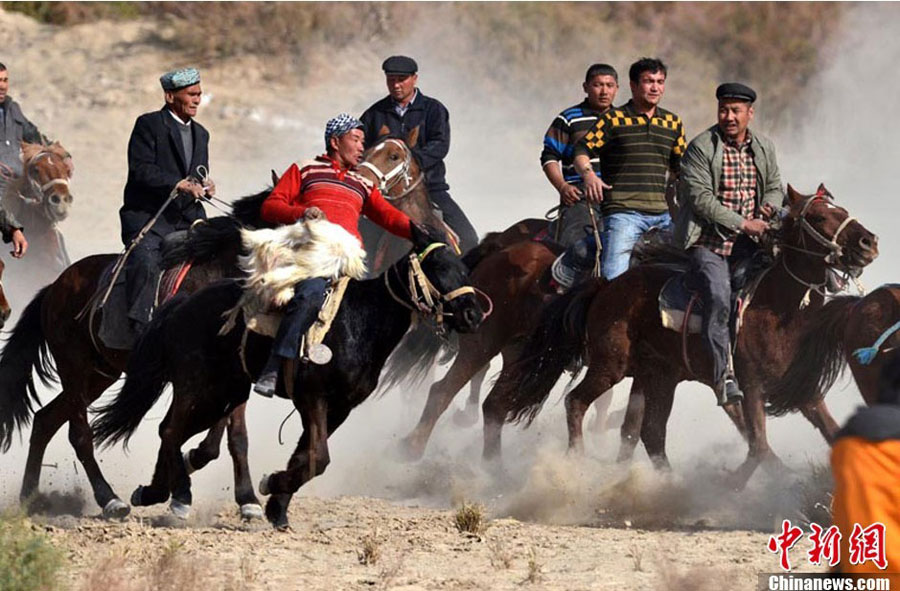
x: 325, y: 187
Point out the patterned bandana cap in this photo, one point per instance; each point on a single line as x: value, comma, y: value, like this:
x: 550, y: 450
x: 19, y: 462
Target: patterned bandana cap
x: 180, y: 78
x: 338, y: 126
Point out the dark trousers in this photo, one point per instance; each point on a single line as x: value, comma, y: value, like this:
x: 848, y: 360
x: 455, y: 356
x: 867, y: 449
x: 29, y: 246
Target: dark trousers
x: 142, y: 277
x: 710, y: 276
x: 299, y: 315
x: 456, y: 219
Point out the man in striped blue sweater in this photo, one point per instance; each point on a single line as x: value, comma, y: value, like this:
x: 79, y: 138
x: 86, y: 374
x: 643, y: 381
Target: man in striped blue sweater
x: 601, y: 83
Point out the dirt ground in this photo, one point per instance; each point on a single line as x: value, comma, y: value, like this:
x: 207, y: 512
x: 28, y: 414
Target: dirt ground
x: 417, y: 548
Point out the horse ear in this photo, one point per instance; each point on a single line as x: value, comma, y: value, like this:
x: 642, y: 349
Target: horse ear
x: 792, y: 195
x: 822, y: 191
x: 385, y: 130
x: 413, y: 137
x: 274, y: 177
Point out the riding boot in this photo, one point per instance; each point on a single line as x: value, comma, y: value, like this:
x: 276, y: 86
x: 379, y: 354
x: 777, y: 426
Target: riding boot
x: 575, y: 264
x: 728, y: 391
x: 268, y: 378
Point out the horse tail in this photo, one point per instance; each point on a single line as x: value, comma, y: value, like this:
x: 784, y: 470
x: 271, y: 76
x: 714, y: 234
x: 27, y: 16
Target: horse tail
x: 412, y: 359
x: 144, y: 385
x: 25, y: 350
x: 557, y: 342
x: 819, y: 361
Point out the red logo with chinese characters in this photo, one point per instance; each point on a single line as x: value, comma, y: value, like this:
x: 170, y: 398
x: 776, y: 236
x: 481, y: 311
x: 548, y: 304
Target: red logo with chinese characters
x: 866, y: 544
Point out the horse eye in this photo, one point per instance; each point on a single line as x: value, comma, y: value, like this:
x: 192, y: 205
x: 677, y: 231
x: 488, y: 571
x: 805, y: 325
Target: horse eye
x: 395, y: 157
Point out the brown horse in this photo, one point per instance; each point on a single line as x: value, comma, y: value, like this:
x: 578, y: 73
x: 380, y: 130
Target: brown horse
x: 616, y: 327
x: 512, y: 270
x: 39, y: 199
x: 839, y: 334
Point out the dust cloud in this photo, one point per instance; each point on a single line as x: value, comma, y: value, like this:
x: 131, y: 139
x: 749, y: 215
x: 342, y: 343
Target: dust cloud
x: 260, y: 122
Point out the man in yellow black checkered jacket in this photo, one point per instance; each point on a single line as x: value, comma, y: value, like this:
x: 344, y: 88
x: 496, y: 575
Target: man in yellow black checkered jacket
x: 640, y: 145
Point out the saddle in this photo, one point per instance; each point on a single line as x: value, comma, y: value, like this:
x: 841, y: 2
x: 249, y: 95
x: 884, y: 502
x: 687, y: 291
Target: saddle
x: 681, y: 308
x: 266, y: 323
x: 115, y: 331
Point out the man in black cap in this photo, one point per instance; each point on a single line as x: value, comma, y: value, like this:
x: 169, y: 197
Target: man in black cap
x: 404, y: 109
x: 168, y: 152
x: 729, y: 182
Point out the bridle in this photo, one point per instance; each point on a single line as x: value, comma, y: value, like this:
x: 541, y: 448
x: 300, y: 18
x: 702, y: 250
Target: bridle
x: 421, y: 295
x: 388, y: 180
x: 831, y: 257
x: 38, y: 192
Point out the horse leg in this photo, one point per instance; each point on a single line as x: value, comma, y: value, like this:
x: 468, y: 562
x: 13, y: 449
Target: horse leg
x: 310, y: 458
x: 238, y: 446
x: 631, y: 426
x: 493, y: 411
x: 47, y: 422
x: 598, y: 381
x: 81, y: 439
x: 660, y: 395
x: 597, y: 424
x: 158, y: 489
x: 759, y: 450
x: 208, y: 449
x: 818, y: 414
x: 469, y: 415
x: 439, y: 397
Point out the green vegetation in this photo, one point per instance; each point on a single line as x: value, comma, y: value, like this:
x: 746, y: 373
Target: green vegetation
x: 28, y: 561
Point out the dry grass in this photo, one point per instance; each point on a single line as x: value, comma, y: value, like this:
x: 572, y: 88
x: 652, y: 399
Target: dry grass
x: 815, y: 494
x: 534, y: 568
x: 700, y: 579
x: 371, y: 549
x: 501, y: 556
x: 469, y: 518
x: 173, y: 569
x: 636, y: 553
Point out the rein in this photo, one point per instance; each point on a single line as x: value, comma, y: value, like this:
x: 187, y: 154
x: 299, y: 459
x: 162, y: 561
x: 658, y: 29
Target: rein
x: 388, y: 180
x: 421, y: 294
x: 831, y: 258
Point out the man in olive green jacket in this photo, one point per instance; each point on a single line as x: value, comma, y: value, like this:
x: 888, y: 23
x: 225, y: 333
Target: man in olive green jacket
x: 729, y: 180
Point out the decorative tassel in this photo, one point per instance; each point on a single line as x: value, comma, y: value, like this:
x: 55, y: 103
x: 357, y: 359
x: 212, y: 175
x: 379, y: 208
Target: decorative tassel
x: 865, y: 355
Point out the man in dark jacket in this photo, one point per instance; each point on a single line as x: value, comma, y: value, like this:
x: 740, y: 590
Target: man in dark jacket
x: 168, y: 152
x: 405, y: 108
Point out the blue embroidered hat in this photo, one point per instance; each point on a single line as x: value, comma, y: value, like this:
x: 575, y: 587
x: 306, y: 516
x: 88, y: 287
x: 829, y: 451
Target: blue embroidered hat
x: 180, y: 78
x: 338, y: 126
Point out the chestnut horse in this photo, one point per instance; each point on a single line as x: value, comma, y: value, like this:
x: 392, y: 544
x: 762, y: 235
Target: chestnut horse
x: 845, y: 331
x: 39, y: 199
x: 615, y: 326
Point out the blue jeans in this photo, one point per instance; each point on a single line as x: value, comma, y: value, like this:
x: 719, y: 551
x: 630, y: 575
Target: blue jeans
x: 299, y: 315
x: 621, y: 231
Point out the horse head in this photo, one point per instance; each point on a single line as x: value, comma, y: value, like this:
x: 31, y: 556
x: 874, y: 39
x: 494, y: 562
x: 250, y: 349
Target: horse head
x: 441, y: 276
x: 391, y: 164
x: 816, y: 226
x: 5, y: 309
x: 47, y: 170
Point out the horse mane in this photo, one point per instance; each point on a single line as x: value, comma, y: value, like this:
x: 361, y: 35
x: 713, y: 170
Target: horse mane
x: 29, y: 150
x: 819, y: 362
x: 246, y: 210
x: 204, y: 242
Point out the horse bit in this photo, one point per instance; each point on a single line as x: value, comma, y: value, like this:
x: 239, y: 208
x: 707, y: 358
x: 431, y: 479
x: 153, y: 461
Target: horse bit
x: 388, y: 180
x: 424, y: 297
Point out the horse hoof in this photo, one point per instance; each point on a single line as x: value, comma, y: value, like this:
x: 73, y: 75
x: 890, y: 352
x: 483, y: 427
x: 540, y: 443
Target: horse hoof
x: 179, y: 509
x: 251, y: 511
x: 136, y: 495
x: 116, y: 509
x: 264, y: 485
x: 187, y: 462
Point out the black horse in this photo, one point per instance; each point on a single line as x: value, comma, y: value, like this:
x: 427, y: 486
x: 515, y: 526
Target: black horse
x: 211, y: 374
